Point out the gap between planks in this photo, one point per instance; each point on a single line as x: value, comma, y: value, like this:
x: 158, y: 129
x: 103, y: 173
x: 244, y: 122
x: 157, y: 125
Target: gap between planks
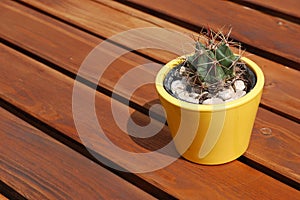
x: 9, y: 193
x: 271, y: 99
x: 161, y: 177
x: 81, y: 149
x: 192, y: 27
x: 145, y: 111
x: 273, y: 8
x: 172, y: 167
x: 72, y: 176
x: 268, y: 53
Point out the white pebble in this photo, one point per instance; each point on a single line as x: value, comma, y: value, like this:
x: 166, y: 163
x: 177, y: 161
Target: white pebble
x: 239, y: 94
x: 194, y: 95
x: 177, y: 86
x: 239, y: 85
x: 183, y: 95
x: 189, y: 97
x: 213, y: 101
x: 226, y: 94
x: 192, y: 100
x: 181, y: 70
x: 178, y: 91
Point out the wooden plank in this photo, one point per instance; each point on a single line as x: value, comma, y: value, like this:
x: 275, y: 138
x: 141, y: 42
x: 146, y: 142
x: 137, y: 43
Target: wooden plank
x: 38, y: 167
x: 34, y: 88
x: 3, y: 197
x: 275, y: 143
x: 122, y: 21
x: 288, y: 7
x: 269, y: 33
x: 46, y: 37
x: 35, y: 32
x: 275, y: 91
x: 274, y: 73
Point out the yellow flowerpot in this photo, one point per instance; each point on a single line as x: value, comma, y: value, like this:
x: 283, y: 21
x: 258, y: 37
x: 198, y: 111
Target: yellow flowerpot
x: 211, y: 134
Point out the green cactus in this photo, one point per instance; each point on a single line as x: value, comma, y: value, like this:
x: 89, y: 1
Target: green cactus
x: 213, y: 62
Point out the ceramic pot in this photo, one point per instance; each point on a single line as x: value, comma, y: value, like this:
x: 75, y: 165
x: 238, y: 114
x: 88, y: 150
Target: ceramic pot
x: 211, y: 134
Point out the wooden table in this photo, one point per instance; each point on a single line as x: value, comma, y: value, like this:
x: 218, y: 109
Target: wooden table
x: 43, y: 155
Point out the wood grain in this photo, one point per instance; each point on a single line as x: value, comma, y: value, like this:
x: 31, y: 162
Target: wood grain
x: 278, y: 147
x: 3, y: 197
x: 275, y: 87
x: 275, y: 73
x: 48, y: 38
x: 34, y: 88
x: 288, y: 7
x: 269, y: 33
x: 38, y: 167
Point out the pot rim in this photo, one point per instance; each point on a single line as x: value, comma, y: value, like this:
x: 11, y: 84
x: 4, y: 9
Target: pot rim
x: 214, y: 107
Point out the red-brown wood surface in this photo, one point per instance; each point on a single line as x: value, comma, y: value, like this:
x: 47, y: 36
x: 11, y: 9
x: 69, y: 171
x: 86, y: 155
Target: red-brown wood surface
x: 46, y: 37
x: 38, y: 167
x: 288, y: 7
x: 42, y: 92
x: 3, y: 197
x: 278, y: 77
x: 269, y: 33
x: 278, y: 147
x: 252, y: 27
x: 274, y: 87
x: 34, y: 88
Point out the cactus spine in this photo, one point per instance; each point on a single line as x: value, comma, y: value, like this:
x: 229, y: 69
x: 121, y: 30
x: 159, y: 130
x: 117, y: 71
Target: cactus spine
x: 213, y: 63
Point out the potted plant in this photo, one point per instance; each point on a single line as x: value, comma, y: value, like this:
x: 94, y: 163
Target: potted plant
x: 211, y: 98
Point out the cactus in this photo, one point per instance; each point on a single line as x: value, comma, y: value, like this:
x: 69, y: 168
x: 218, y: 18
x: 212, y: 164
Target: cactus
x: 213, y: 64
